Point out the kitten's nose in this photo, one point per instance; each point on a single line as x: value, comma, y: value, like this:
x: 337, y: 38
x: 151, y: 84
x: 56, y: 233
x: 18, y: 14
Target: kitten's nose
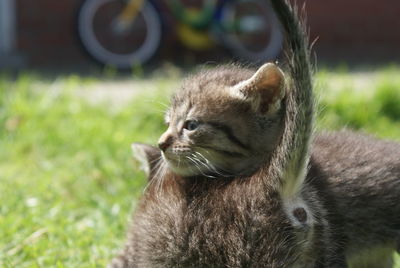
x: 164, y: 142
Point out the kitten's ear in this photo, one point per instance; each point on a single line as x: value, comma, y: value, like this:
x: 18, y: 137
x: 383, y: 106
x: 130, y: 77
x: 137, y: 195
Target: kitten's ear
x: 265, y: 89
x: 147, y: 156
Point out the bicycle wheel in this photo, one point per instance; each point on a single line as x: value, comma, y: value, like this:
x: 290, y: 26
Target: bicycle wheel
x: 110, y: 42
x: 251, y: 30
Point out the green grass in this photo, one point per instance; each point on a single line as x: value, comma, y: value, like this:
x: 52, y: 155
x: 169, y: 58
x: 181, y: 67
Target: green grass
x: 371, y: 105
x: 67, y: 181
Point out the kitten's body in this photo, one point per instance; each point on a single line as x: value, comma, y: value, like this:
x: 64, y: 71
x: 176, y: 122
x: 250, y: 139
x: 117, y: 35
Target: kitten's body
x: 363, y: 177
x: 275, y: 213
x: 353, y: 183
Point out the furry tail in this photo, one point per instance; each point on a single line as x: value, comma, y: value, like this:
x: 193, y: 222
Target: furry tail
x: 294, y: 149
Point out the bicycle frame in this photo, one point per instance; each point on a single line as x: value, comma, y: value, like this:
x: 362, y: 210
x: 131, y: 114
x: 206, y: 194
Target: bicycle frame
x: 192, y: 29
x: 131, y: 10
x: 210, y: 12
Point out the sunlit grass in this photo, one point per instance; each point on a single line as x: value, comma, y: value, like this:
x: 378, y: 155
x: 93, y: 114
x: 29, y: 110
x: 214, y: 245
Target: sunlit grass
x: 67, y: 182
x: 369, y: 103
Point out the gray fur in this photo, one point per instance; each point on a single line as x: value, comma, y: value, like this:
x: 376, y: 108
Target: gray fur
x: 278, y: 213
x: 352, y: 186
x: 363, y: 176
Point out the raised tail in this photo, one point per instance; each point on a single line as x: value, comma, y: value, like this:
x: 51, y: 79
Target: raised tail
x: 291, y: 158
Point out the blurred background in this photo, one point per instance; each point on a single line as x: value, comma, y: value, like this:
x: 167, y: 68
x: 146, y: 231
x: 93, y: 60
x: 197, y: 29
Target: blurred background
x: 80, y: 80
x: 44, y: 32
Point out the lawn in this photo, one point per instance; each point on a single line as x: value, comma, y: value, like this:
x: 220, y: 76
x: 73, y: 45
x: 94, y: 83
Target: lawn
x: 67, y: 180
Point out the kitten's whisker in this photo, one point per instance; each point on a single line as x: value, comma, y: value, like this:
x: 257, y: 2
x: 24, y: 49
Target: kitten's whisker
x: 199, y: 161
x: 207, y: 163
x: 157, y: 109
x: 161, y: 103
x: 227, y: 173
x: 160, y: 178
x: 210, y: 166
x: 157, y: 102
x: 156, y: 170
x: 158, y: 167
x: 155, y: 160
x: 196, y: 162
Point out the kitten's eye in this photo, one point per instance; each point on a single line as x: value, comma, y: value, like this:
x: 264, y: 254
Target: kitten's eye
x: 191, y: 125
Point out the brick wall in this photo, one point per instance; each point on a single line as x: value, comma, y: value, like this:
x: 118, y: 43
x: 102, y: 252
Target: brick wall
x: 46, y: 31
x: 355, y: 28
x: 360, y: 29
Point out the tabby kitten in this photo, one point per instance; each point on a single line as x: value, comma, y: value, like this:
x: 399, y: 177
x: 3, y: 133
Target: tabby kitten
x: 233, y: 184
x: 250, y: 131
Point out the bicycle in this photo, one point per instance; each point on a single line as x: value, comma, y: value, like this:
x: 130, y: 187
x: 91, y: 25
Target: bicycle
x: 128, y: 32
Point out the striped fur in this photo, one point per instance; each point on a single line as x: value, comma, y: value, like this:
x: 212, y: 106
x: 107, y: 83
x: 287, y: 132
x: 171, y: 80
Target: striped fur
x: 287, y: 205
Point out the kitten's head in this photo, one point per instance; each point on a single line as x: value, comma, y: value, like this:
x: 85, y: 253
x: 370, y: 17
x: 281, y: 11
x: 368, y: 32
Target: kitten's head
x: 224, y: 121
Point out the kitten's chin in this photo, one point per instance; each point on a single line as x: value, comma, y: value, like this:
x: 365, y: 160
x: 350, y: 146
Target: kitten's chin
x: 188, y: 169
x: 182, y: 168
x: 182, y: 171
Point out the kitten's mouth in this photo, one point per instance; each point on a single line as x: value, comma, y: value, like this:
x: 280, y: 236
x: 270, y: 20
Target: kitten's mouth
x: 181, y: 167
